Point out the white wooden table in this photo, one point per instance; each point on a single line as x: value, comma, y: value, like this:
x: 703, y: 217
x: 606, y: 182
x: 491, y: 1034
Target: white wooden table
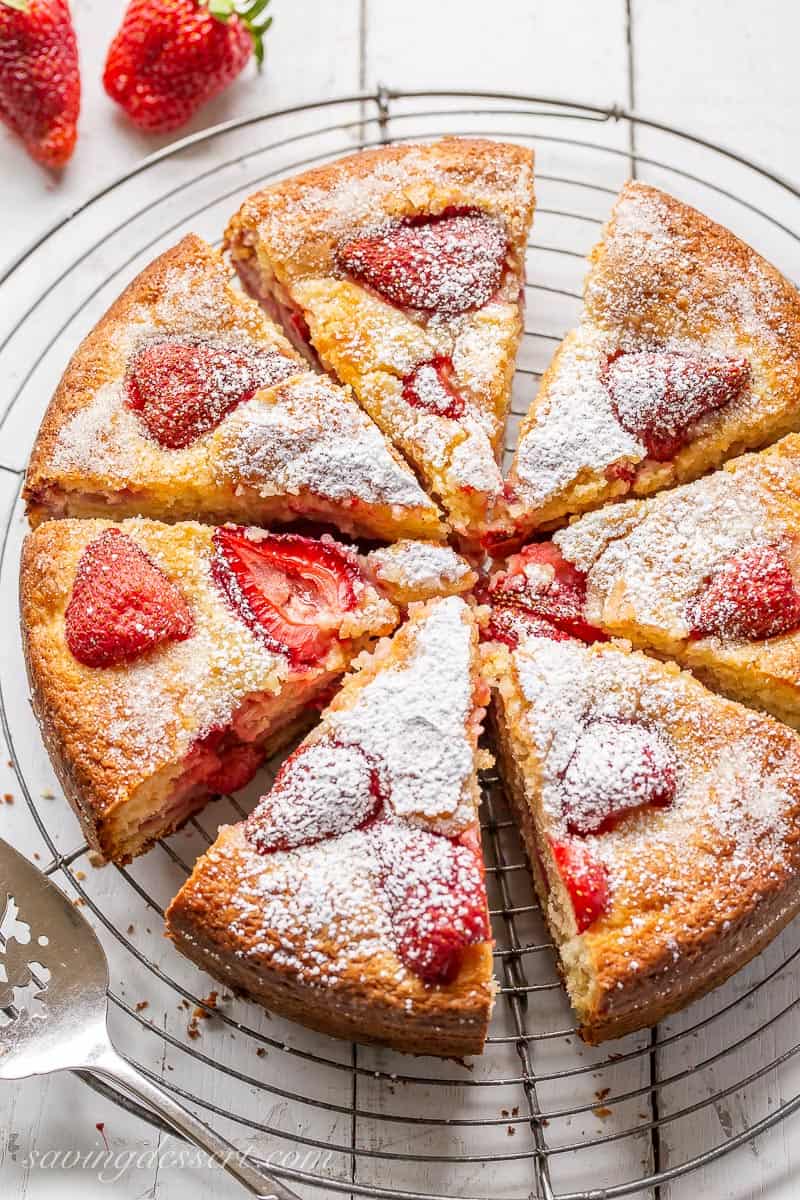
x: 726, y: 69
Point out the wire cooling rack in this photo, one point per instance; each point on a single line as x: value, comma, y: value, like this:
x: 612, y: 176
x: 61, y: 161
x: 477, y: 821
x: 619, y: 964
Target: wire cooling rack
x: 539, y: 1113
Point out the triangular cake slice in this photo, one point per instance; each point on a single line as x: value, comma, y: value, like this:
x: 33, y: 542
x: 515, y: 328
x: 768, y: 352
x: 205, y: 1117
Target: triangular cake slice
x: 687, y: 353
x: 185, y: 403
x: 662, y: 823
x: 707, y: 574
x: 353, y: 898
x: 401, y: 270
x: 167, y: 661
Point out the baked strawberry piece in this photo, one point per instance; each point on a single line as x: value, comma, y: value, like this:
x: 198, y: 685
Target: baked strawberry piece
x: 658, y: 818
x: 185, y: 403
x: 707, y: 574
x: 167, y: 661
x: 361, y: 869
x: 687, y: 352
x: 400, y: 270
x: 183, y: 387
x: 539, y: 591
x: 660, y: 395
x: 121, y: 605
x: 447, y: 264
x: 751, y: 596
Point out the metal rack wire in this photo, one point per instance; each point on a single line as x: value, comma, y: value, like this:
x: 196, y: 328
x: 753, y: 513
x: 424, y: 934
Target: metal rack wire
x: 538, y: 1113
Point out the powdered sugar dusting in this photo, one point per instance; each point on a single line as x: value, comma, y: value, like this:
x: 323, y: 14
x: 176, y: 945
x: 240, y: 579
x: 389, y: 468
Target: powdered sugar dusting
x: 421, y: 567
x: 312, y: 437
x: 662, y: 549
x: 413, y: 719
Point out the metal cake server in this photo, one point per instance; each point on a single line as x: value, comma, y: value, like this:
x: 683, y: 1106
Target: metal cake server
x: 53, y: 985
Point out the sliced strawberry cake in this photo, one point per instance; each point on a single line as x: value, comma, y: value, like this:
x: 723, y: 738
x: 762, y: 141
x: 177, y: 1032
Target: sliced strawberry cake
x: 185, y: 403
x: 661, y: 821
x: 353, y: 897
x: 401, y: 270
x: 687, y: 353
x: 167, y: 661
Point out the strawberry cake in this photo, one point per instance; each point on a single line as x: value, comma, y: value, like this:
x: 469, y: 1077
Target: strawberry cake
x: 707, y: 574
x: 186, y: 403
x: 687, y: 353
x: 352, y: 899
x: 401, y: 271
x: 167, y: 661
x: 662, y: 823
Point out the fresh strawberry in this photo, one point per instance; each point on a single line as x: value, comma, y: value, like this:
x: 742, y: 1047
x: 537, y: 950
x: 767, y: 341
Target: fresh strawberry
x: 436, y: 895
x: 751, y: 596
x: 539, y: 581
x: 323, y: 790
x: 617, y: 768
x: 171, y: 56
x: 183, y: 387
x: 40, y: 83
x: 585, y: 879
x: 122, y: 604
x: 291, y: 591
x: 659, y: 395
x: 430, y: 386
x: 445, y: 264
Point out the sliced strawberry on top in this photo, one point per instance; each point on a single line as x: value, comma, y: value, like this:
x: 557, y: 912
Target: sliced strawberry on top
x: 617, y: 768
x: 323, y: 790
x: 291, y: 591
x: 585, y: 879
x: 541, y: 582
x: 183, y: 387
x: 436, y: 895
x: 751, y: 596
x: 122, y: 604
x: 659, y: 395
x: 431, y: 386
x: 445, y: 264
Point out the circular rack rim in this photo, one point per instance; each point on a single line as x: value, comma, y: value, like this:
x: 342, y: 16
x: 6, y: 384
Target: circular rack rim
x: 516, y: 989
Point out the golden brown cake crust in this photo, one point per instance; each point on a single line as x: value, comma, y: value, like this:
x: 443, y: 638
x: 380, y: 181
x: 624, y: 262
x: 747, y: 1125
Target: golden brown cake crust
x: 696, y: 890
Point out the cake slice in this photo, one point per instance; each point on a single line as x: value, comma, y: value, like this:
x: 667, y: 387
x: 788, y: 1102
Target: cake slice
x: 185, y: 403
x: 353, y: 899
x: 167, y: 661
x: 687, y: 353
x: 401, y: 270
x: 707, y: 574
x: 662, y: 823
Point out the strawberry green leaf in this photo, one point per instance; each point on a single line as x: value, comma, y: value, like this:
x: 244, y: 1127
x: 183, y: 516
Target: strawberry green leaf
x: 19, y: 5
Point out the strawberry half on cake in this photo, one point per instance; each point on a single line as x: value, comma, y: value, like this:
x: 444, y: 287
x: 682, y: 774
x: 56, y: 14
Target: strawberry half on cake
x: 687, y: 353
x: 353, y: 897
x: 185, y: 403
x: 707, y: 574
x: 662, y: 823
x: 401, y: 271
x: 167, y: 661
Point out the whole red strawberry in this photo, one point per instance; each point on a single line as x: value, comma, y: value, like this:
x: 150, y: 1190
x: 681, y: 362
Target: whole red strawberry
x: 171, y: 56
x: 40, y: 83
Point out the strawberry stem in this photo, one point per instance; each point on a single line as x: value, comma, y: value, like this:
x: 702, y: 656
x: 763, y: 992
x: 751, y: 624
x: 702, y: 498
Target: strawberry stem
x: 248, y: 11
